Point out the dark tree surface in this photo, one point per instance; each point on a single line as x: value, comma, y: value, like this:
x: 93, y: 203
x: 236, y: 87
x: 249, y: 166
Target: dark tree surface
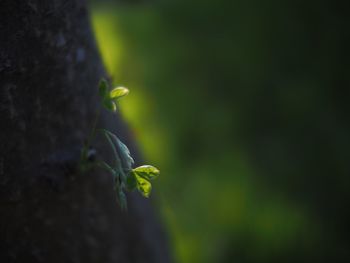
x: 49, y: 70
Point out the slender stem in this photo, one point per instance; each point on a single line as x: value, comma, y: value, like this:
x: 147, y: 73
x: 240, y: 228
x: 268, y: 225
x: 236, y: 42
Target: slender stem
x: 83, y: 157
x: 93, y: 131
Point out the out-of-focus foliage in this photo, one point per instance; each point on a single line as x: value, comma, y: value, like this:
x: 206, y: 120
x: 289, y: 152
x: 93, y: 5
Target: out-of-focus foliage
x: 244, y: 107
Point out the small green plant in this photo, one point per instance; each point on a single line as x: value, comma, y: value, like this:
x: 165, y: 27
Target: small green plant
x: 126, y: 178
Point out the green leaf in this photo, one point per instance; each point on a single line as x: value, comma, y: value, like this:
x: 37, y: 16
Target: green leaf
x: 118, y: 92
x: 103, y: 88
x: 109, y: 105
x: 148, y: 172
x: 121, y: 152
x: 127, y: 160
x: 131, y: 181
x: 143, y: 186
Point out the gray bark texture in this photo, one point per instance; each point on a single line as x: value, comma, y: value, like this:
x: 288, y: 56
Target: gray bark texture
x: 49, y: 212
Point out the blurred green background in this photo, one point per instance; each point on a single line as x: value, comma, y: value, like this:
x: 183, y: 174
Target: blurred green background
x: 244, y: 107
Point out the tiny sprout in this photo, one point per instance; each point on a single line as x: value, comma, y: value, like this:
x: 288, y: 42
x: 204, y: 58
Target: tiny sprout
x: 125, y: 177
x: 110, y: 98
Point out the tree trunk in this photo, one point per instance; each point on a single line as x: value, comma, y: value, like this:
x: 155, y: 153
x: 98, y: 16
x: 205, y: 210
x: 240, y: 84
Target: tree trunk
x: 49, y: 212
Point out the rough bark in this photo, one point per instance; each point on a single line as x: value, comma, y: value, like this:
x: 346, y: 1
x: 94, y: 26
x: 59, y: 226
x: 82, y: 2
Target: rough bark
x: 49, y: 212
